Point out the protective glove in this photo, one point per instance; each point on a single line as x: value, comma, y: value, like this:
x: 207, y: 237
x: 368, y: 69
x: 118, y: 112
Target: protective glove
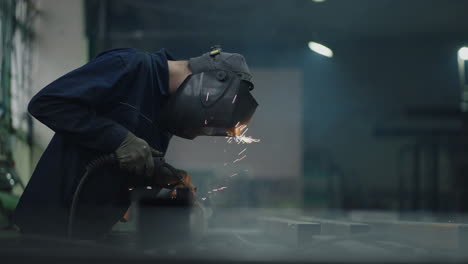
x: 134, y: 155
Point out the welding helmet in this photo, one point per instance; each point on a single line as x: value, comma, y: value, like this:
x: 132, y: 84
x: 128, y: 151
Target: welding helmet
x: 215, y: 100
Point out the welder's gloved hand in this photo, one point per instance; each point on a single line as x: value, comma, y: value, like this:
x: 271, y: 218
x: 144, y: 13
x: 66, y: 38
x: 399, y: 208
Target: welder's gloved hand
x: 134, y: 155
x: 168, y: 177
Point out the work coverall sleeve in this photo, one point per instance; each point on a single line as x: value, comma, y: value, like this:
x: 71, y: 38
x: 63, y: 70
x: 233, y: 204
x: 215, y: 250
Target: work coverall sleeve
x: 68, y: 105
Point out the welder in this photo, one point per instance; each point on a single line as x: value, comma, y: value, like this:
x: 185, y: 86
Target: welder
x: 129, y: 103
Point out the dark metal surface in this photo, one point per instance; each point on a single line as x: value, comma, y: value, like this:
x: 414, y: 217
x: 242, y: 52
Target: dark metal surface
x: 290, y: 231
x: 275, y: 239
x: 162, y: 219
x: 337, y: 227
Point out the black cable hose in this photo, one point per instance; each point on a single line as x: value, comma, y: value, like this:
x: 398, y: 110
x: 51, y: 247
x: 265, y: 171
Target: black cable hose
x: 97, y: 163
x: 94, y: 164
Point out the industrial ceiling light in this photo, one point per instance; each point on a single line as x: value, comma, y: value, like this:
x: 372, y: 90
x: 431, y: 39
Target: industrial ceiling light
x: 320, y: 49
x: 318, y: 1
x: 463, y: 53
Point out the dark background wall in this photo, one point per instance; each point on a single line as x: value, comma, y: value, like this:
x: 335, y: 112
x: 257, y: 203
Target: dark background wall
x: 371, y: 84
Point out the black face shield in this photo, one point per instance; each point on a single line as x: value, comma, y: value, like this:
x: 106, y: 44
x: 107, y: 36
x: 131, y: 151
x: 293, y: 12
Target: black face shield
x: 211, y: 103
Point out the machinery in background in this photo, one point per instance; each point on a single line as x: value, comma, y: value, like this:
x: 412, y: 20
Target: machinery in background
x: 8, y: 176
x: 8, y: 201
x: 16, y: 30
x: 432, y: 169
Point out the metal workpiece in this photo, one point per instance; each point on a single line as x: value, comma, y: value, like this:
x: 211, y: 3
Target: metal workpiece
x: 338, y: 227
x: 453, y: 236
x: 289, y: 231
x: 163, y: 220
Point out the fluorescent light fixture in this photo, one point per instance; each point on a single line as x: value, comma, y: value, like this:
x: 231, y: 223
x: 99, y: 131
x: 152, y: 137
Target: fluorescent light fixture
x: 463, y: 53
x: 318, y: 1
x: 320, y: 49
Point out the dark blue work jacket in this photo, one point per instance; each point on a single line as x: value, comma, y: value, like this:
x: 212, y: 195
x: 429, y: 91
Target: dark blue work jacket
x: 91, y: 109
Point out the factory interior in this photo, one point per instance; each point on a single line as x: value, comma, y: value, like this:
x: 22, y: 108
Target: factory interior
x: 355, y: 152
